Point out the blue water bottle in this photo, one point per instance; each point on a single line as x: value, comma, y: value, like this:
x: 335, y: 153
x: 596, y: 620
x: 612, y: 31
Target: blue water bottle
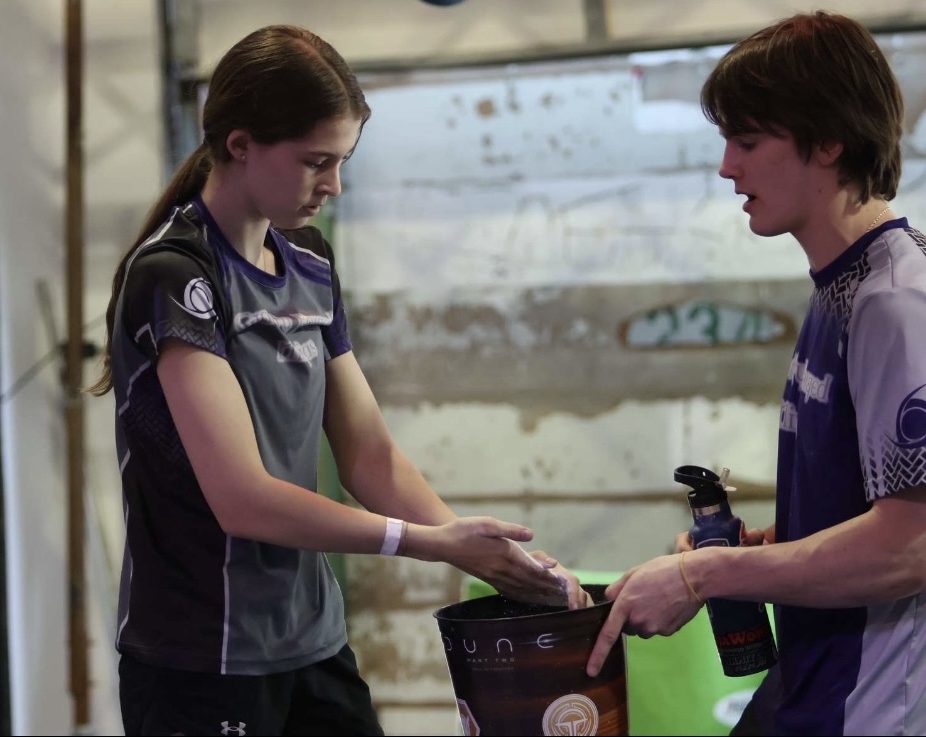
x: 741, y: 628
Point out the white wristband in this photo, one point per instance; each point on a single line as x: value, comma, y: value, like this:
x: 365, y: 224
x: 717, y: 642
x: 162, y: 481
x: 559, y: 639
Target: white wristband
x: 392, y: 537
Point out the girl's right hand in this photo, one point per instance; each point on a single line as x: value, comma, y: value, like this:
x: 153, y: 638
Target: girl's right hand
x: 488, y: 548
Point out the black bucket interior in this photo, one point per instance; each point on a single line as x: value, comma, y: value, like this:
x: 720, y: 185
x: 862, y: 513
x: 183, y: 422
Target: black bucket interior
x: 499, y: 607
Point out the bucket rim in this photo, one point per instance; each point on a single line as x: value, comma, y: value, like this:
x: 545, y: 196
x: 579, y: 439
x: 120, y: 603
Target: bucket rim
x: 554, y: 610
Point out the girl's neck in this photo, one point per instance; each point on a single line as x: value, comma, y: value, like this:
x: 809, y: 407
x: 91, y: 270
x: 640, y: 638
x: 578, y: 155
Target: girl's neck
x: 232, y: 210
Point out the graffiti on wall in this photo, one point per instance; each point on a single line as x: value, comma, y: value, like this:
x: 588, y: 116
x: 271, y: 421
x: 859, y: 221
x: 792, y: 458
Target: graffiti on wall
x: 700, y: 323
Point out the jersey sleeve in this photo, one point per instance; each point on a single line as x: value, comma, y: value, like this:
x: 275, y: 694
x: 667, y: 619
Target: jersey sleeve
x: 887, y: 380
x: 336, y: 335
x: 169, y: 294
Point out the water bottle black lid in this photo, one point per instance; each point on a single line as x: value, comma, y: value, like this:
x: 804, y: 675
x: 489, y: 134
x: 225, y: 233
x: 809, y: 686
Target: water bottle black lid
x: 706, y: 488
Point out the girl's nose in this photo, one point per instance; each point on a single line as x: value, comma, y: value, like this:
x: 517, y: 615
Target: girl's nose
x: 331, y: 182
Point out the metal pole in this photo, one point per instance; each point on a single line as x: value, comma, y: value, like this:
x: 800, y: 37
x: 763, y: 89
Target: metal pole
x: 74, y: 406
x: 5, y: 716
x: 179, y: 23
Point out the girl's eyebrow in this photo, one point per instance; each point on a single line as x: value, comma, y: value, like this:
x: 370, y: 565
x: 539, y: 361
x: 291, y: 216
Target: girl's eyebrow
x: 327, y: 154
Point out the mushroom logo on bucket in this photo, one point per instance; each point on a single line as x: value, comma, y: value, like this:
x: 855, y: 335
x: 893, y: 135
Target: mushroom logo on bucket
x: 572, y: 714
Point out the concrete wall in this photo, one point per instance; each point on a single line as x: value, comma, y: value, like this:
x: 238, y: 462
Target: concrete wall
x: 585, y: 468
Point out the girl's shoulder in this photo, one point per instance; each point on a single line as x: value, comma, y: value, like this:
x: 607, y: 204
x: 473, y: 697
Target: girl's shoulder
x: 308, y: 238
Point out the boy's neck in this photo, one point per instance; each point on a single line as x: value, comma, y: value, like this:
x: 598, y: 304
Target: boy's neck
x: 838, y: 226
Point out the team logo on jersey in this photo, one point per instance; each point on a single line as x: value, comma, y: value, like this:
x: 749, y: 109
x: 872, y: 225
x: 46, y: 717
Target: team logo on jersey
x: 787, y: 418
x: 811, y: 386
x: 911, y: 420
x: 197, y: 299
x: 292, y: 351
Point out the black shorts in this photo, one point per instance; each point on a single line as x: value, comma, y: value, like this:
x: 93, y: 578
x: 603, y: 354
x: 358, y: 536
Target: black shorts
x: 328, y: 697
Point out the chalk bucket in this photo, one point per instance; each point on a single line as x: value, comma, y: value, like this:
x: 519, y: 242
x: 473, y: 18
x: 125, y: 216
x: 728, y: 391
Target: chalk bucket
x: 519, y: 669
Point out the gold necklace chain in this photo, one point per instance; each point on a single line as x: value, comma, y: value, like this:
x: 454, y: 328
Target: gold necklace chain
x: 877, y: 219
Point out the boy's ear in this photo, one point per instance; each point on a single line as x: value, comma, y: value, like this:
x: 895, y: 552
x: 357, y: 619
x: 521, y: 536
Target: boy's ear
x: 828, y: 152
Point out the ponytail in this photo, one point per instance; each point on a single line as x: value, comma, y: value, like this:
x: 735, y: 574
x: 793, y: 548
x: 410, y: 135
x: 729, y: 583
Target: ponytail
x: 187, y: 182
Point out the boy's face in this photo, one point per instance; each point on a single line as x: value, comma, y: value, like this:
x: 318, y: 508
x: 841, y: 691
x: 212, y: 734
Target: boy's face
x: 779, y: 184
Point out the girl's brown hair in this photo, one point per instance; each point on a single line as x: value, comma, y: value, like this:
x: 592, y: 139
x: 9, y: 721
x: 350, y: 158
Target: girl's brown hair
x: 822, y: 78
x: 276, y: 83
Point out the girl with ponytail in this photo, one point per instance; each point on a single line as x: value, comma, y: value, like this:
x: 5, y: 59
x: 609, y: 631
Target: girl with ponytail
x: 228, y: 353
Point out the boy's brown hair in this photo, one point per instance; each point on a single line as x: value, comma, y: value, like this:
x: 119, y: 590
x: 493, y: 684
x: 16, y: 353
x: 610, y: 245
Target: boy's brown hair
x: 821, y: 78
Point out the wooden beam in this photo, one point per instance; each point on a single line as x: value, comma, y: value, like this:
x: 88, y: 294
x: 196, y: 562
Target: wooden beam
x: 74, y: 406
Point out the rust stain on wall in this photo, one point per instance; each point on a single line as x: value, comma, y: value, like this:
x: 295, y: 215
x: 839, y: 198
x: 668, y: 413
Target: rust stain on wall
x: 378, y: 584
x: 540, y: 468
x: 419, y: 317
x: 380, y: 309
x: 495, y: 160
x: 512, y: 99
x: 460, y: 318
x: 385, y: 597
x: 384, y: 659
x: 486, y: 108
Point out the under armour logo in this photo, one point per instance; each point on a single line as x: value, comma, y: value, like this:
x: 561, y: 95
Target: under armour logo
x: 228, y: 729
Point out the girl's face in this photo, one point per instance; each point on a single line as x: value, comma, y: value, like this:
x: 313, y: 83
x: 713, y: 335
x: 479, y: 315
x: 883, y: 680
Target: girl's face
x: 289, y: 181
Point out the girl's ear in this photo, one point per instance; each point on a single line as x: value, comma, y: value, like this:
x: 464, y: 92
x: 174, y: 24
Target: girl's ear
x: 237, y: 143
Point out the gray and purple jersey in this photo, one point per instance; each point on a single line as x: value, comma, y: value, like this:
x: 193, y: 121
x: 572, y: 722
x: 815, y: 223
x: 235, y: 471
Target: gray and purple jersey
x: 192, y: 597
x: 853, y: 430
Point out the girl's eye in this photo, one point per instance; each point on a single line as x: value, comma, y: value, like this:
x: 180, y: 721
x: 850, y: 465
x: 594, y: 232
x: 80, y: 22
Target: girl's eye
x: 315, y: 164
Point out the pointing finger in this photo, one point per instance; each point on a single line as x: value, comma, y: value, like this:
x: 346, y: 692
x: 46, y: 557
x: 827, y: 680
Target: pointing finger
x: 610, y: 634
